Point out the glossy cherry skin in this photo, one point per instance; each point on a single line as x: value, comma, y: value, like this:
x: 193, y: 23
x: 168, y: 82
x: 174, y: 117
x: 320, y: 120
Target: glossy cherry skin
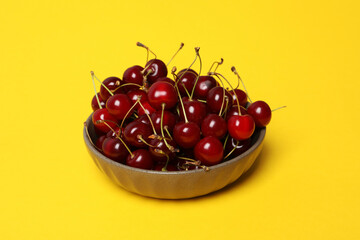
x: 119, y: 105
x: 187, y: 82
x: 135, y: 94
x: 214, y: 99
x: 195, y: 111
x: 113, y: 134
x: 114, y: 149
x: 95, y: 104
x: 148, y: 109
x: 140, y: 158
x: 144, y: 119
x: 158, y: 68
x: 111, y: 83
x: 187, y: 71
x: 100, y: 141
x: 135, y: 129
x: 214, y: 125
x: 159, y: 144
x: 240, y: 96
x: 169, y: 120
x: 240, y: 147
x: 209, y: 151
x: 162, y: 92
x: 241, y: 127
x: 261, y: 113
x: 103, y: 114
x: 234, y: 111
x: 203, y: 86
x: 186, y: 135
x: 165, y: 79
x: 133, y: 75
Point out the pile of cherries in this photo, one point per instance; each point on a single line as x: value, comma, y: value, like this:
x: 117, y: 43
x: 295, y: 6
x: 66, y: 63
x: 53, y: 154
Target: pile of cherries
x: 150, y: 121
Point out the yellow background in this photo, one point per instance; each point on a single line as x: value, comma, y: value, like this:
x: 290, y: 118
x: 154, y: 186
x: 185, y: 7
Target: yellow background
x: 303, y: 54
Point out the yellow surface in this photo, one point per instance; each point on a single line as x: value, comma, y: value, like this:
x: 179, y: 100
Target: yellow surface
x: 303, y: 54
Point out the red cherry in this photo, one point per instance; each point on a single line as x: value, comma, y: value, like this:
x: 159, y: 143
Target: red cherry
x: 99, y: 142
x: 214, y: 125
x: 119, y: 105
x: 203, y: 86
x: 241, y: 127
x: 261, y: 113
x: 165, y: 79
x: 113, y: 134
x: 240, y: 96
x: 234, y: 111
x: 195, y: 111
x: 114, y: 149
x: 188, y: 71
x: 214, y: 99
x: 144, y: 119
x: 158, y: 69
x: 148, y: 109
x: 240, y: 147
x: 159, y: 144
x: 135, y: 94
x: 186, y: 135
x: 95, y: 104
x: 100, y: 115
x: 133, y: 75
x: 169, y: 120
x: 209, y: 151
x: 162, y: 92
x: 111, y: 83
x: 140, y: 158
x: 134, y: 130
x: 186, y: 81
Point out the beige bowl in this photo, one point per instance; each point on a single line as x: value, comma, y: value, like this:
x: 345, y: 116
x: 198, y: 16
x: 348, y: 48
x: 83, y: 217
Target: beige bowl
x: 178, y: 184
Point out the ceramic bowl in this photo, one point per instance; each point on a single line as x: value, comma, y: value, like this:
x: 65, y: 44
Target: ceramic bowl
x: 178, y: 184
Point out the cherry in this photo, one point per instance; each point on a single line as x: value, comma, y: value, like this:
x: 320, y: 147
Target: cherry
x: 169, y: 120
x: 214, y: 125
x: 240, y: 96
x: 188, y: 71
x: 234, y: 147
x: 103, y: 114
x: 209, y: 151
x: 158, y: 69
x: 215, y: 99
x: 135, y: 94
x: 234, y: 111
x: 241, y: 127
x: 195, y: 111
x: 203, y: 86
x: 94, y: 103
x: 111, y: 83
x: 261, y: 113
x: 162, y: 92
x: 119, y: 105
x: 114, y: 133
x: 144, y: 119
x: 114, y: 149
x: 136, y: 132
x: 100, y: 141
x: 186, y: 134
x: 159, y: 150
x: 185, y: 82
x: 134, y: 75
x: 140, y: 158
x: 165, y: 79
x: 148, y: 109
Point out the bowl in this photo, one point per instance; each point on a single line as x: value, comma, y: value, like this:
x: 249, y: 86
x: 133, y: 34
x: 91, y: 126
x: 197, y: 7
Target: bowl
x: 178, y: 184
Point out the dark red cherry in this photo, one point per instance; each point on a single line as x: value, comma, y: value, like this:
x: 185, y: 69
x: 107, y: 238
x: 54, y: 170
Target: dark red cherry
x: 114, y: 149
x: 119, y: 105
x: 140, y: 158
x: 95, y: 104
x: 234, y: 111
x: 162, y: 92
x: 195, y: 110
x: 158, y: 69
x: 261, y: 113
x: 111, y: 83
x: 240, y: 147
x: 209, y: 151
x: 135, y: 94
x: 203, y: 86
x: 187, y: 71
x: 169, y: 120
x: 133, y: 75
x: 186, y: 135
x: 187, y: 82
x: 144, y: 119
x: 113, y: 134
x: 170, y: 167
x: 240, y: 96
x: 100, y: 141
x: 214, y: 99
x: 134, y: 130
x: 214, y: 125
x: 165, y: 79
x: 241, y: 127
x: 159, y: 144
x: 148, y: 109
x: 103, y: 114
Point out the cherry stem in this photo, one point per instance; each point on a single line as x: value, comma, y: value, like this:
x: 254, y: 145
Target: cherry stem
x: 173, y: 70
x: 278, y: 108
x: 167, y: 130
x: 226, y: 139
x: 233, y: 69
x: 118, y: 137
x: 197, y: 78
x: 127, y: 84
x: 148, y: 116
x: 97, y: 97
x: 164, y: 169
x: 144, y: 141
x: 139, y: 44
x: 132, y: 107
x: 237, y: 143
x: 161, y: 126
x: 194, y: 162
x: 88, y: 135
x: 218, y: 64
x: 110, y: 92
x: 181, y: 46
x: 196, y: 49
x: 226, y: 106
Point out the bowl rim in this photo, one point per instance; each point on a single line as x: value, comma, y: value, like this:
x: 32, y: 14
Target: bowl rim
x: 98, y: 154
